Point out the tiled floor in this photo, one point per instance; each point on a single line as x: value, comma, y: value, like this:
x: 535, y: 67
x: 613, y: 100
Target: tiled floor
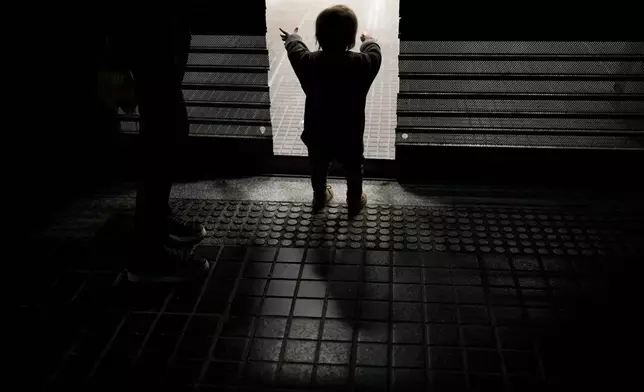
x: 380, y: 17
x: 441, y: 297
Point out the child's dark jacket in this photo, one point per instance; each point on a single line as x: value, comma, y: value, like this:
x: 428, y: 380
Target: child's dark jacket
x: 336, y: 87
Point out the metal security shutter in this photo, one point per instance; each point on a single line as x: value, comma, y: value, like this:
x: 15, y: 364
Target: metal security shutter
x: 225, y: 85
x: 503, y: 87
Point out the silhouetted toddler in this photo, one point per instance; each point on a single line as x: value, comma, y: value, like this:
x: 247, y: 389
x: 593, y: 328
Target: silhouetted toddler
x: 336, y: 82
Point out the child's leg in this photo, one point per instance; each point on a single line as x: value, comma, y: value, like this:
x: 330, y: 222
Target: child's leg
x: 320, y: 163
x: 353, y: 171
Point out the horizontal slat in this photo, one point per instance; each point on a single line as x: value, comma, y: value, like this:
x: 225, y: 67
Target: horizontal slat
x: 226, y: 113
x: 264, y: 132
x: 516, y: 57
x: 225, y: 130
x: 518, y: 141
x: 227, y: 78
x: 236, y: 51
x: 517, y: 131
x: 231, y: 97
x: 227, y: 60
x: 522, y: 67
x: 522, y: 123
x: 229, y: 113
x: 528, y: 105
x: 519, y: 76
x: 228, y: 117
x: 519, y: 86
x: 130, y: 126
x: 522, y: 47
x: 532, y: 94
x: 521, y: 96
x: 229, y: 41
x: 226, y: 87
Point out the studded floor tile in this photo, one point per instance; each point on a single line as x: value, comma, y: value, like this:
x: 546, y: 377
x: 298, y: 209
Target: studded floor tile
x: 287, y: 99
x: 525, y: 231
x: 461, y: 297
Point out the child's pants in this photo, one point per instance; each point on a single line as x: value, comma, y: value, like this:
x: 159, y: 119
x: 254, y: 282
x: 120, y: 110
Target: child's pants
x: 320, y: 160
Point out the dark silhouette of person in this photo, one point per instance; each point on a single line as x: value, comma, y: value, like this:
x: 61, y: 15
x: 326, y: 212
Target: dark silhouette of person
x: 153, y: 51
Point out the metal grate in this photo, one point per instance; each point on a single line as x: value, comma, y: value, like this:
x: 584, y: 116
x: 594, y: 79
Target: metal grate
x: 230, y: 130
x: 522, y: 123
x: 226, y: 96
x: 260, y: 79
x: 212, y: 113
x: 528, y: 105
x: 541, y: 141
x: 129, y: 126
x: 229, y: 113
x: 223, y: 59
x: 522, y: 67
x: 522, y: 86
x: 229, y: 41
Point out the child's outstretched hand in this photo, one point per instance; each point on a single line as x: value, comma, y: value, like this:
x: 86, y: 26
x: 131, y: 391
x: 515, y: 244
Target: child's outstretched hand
x: 285, y: 34
x: 365, y: 36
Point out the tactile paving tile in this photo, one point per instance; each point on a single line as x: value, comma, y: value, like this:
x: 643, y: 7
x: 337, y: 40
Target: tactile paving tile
x: 462, y: 229
x: 442, y: 298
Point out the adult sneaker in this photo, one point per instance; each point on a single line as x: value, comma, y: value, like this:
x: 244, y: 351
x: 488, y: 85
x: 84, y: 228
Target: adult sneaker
x: 184, y: 231
x: 168, y: 265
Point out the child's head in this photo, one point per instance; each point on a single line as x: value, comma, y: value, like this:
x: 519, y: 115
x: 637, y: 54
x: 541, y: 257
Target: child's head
x: 336, y: 28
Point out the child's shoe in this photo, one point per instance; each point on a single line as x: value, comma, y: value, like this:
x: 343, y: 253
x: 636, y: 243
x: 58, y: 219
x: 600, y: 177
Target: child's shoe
x: 356, y: 206
x: 320, y: 201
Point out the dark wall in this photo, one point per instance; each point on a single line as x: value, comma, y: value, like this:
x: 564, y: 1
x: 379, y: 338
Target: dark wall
x: 237, y: 17
x: 64, y: 139
x: 518, y: 21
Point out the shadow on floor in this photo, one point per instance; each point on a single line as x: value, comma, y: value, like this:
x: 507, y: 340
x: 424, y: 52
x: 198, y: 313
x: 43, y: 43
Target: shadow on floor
x: 330, y: 316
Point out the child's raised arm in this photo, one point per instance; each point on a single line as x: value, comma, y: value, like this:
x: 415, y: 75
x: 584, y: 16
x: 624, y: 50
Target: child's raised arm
x: 298, y: 55
x: 371, y: 57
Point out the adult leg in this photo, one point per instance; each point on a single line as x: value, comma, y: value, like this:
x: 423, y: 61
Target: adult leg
x: 160, y: 58
x: 163, y: 123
